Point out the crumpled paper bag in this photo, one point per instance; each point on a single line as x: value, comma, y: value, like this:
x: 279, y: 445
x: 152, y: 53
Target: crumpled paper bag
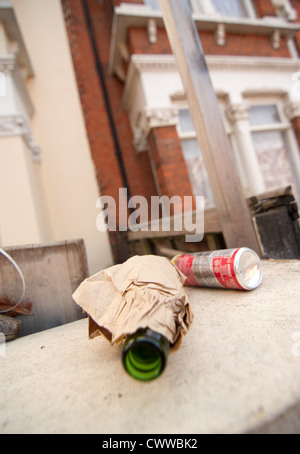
x: 145, y: 291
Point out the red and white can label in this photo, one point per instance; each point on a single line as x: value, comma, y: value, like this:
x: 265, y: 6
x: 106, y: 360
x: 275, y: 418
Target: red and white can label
x: 209, y: 269
x: 223, y: 269
x: 185, y: 264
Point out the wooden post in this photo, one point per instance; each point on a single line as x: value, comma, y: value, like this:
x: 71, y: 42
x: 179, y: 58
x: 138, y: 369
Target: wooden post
x: 230, y: 201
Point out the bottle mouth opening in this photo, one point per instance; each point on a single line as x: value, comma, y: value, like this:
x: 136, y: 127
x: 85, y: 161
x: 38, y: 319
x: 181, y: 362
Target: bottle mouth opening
x: 143, y: 358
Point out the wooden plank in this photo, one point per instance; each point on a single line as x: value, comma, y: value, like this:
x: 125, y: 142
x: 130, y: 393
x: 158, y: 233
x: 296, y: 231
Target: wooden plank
x: 212, y: 224
x: 277, y: 234
x: 254, y: 201
x: 276, y: 219
x: 52, y: 273
x: 234, y: 214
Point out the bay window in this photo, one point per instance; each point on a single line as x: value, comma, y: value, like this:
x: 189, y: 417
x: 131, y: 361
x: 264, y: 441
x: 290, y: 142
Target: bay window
x: 272, y: 146
x: 275, y: 146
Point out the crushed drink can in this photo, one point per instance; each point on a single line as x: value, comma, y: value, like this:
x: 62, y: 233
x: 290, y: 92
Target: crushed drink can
x: 227, y: 268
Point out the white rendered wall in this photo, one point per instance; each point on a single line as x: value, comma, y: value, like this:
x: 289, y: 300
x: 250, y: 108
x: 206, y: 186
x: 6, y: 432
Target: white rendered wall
x: 65, y: 176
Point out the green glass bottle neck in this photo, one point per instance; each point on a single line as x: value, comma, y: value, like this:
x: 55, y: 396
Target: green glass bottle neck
x: 145, y: 354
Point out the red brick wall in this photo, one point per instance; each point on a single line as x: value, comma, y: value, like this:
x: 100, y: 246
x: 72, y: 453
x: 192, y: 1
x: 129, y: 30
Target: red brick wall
x: 138, y: 42
x: 165, y: 147
x: 244, y: 45
x: 236, y: 44
x: 137, y: 166
x: 93, y: 105
x: 264, y: 8
x: 102, y: 147
x: 107, y: 168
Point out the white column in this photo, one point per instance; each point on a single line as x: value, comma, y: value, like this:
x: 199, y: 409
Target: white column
x: 238, y: 116
x: 21, y: 221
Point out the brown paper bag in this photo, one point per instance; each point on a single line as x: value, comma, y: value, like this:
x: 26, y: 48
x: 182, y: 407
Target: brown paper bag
x: 145, y: 291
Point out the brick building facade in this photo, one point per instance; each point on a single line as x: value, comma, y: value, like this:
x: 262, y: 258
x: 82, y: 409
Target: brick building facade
x: 137, y: 118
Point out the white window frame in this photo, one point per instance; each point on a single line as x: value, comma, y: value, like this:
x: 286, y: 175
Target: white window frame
x: 285, y: 9
x: 284, y: 123
x: 207, y: 7
x: 284, y: 126
x: 185, y: 135
x: 192, y: 134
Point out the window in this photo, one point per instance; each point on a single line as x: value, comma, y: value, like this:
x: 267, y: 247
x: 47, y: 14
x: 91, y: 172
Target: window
x: 273, y: 142
x: 274, y: 147
x: 193, y: 158
x: 154, y: 4
x: 233, y: 8
x: 229, y: 8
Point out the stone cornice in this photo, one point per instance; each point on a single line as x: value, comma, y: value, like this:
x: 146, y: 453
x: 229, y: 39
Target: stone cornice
x: 292, y: 110
x: 16, y: 125
x: 238, y: 112
x: 252, y: 64
x: 152, y: 118
x: 156, y: 118
x: 166, y: 63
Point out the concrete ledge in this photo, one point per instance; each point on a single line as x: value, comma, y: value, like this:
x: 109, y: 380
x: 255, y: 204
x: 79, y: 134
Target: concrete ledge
x: 237, y: 371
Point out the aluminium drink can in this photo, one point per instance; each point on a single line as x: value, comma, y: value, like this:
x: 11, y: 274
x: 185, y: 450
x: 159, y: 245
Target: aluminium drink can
x: 227, y: 268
